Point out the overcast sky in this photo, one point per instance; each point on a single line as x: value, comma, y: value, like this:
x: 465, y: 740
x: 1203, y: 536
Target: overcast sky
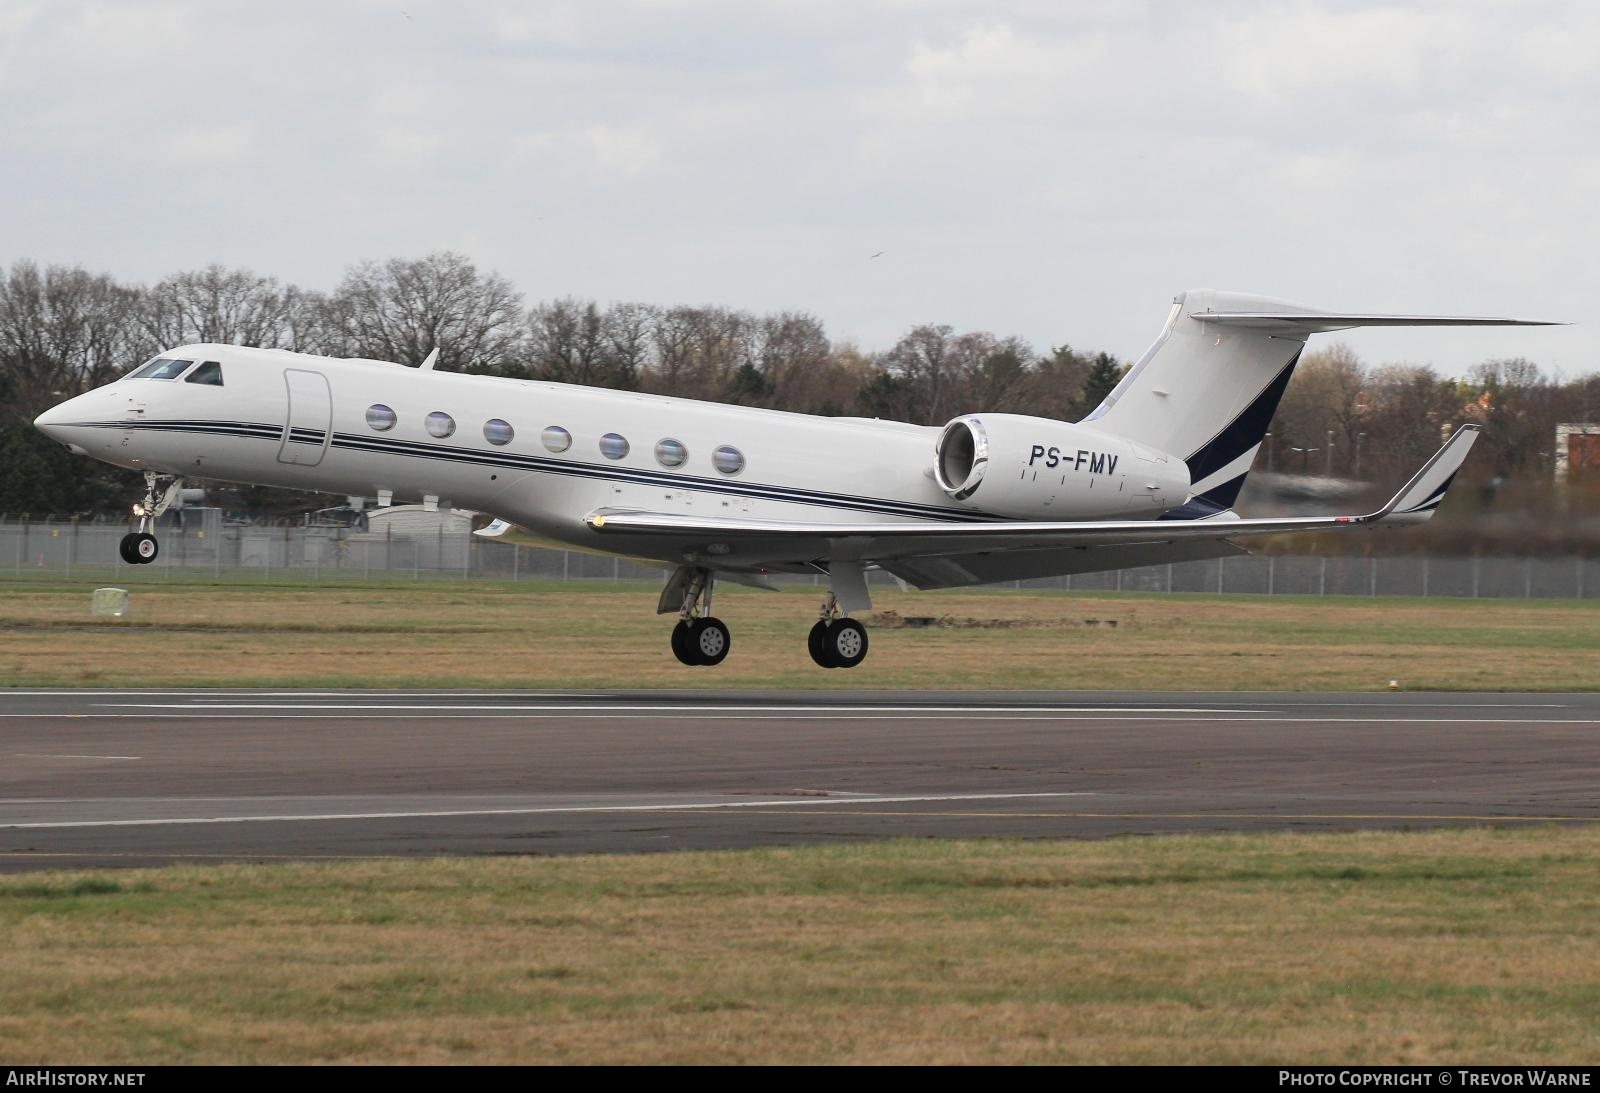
x: 1055, y: 170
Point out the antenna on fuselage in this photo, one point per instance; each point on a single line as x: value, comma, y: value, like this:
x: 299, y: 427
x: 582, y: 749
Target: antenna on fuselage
x: 431, y: 360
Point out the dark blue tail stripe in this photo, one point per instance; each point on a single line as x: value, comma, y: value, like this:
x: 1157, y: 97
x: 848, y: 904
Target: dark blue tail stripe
x: 1241, y: 434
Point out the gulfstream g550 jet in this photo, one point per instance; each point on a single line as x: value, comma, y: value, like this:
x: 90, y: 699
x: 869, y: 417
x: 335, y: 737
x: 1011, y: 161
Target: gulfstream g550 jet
x: 714, y: 491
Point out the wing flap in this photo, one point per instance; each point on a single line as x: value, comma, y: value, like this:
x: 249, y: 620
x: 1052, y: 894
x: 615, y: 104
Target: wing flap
x: 988, y: 567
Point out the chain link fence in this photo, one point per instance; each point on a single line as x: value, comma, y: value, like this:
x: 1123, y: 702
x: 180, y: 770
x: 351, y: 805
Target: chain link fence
x: 67, y: 548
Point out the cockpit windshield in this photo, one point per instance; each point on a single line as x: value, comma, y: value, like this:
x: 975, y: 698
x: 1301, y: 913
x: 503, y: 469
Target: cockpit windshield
x: 209, y: 373
x: 162, y: 368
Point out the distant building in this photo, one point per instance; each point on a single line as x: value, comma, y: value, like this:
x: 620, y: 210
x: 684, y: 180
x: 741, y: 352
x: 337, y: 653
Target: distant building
x: 416, y: 520
x: 1577, y: 449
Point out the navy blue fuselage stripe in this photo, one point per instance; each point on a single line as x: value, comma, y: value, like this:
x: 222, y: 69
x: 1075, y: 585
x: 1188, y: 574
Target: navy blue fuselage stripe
x: 645, y: 477
x: 511, y: 460
x: 1242, y: 434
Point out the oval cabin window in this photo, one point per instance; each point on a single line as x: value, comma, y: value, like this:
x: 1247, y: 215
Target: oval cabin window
x: 671, y: 453
x: 380, y: 417
x: 556, y: 439
x: 728, y: 460
x: 613, y: 445
x: 441, y: 424
x: 496, y: 431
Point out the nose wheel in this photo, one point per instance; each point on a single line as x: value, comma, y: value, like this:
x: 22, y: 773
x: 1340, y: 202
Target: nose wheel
x: 140, y: 547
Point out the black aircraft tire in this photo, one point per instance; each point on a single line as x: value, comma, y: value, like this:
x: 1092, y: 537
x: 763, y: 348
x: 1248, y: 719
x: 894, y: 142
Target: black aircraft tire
x: 817, y: 644
x: 144, y: 548
x: 680, y: 644
x: 125, y: 548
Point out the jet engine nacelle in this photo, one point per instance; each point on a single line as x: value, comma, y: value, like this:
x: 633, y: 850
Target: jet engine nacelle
x: 1034, y: 468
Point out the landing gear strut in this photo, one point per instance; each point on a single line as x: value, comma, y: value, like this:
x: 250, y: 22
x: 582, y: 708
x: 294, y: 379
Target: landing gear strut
x: 699, y: 638
x: 140, y: 547
x: 836, y: 642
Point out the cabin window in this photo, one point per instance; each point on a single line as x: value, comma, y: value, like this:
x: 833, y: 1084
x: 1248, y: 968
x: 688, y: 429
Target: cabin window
x: 441, y: 424
x: 556, y: 438
x: 671, y: 453
x: 380, y: 417
x: 613, y: 445
x: 162, y: 368
x: 496, y: 431
x: 209, y: 373
x: 728, y: 460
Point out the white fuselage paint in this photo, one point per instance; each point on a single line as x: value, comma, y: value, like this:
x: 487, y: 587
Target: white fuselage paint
x: 796, y: 467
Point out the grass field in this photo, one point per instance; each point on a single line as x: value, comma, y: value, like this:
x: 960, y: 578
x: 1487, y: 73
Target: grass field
x: 1441, y: 947
x: 595, y: 634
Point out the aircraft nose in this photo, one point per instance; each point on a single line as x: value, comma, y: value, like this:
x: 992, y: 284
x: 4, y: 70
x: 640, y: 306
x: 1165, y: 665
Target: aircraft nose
x: 57, y: 424
x: 51, y: 421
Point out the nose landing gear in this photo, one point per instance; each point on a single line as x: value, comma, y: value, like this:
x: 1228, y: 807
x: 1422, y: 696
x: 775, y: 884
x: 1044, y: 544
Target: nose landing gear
x: 140, y: 547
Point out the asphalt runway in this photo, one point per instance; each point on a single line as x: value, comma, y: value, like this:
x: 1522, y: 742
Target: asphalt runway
x: 98, y: 778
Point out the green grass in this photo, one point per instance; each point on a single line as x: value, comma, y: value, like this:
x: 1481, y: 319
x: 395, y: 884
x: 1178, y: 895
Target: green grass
x: 249, y: 632
x: 1378, y: 948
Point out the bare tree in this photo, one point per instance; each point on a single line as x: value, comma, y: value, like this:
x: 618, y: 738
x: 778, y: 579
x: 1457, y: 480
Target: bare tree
x: 627, y: 336
x: 1054, y: 386
x: 1407, y: 408
x: 1327, y: 395
x: 922, y: 359
x: 403, y: 309
x: 62, y: 331
x: 215, y: 305
x: 567, y: 342
x: 672, y: 349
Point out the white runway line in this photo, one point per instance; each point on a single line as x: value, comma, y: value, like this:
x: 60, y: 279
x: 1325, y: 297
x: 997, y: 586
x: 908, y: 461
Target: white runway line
x: 1197, y: 718
x: 797, y: 802
x: 32, y: 755
x: 679, y: 709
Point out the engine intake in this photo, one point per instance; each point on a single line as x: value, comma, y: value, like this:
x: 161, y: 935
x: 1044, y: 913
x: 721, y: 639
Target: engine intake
x: 961, y: 457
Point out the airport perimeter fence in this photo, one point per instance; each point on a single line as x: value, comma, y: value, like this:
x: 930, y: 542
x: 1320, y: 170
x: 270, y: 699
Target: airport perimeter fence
x: 67, y: 548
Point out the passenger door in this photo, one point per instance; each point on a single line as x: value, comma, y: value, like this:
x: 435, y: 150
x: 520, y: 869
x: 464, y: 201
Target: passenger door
x: 310, y: 423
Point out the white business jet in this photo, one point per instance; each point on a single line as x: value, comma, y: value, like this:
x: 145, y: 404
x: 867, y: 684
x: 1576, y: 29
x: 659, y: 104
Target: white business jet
x: 714, y: 491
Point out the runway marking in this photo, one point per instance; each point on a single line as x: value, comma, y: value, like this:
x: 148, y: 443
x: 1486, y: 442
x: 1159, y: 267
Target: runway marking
x: 1397, y: 817
x: 503, y: 713
x: 797, y: 802
x: 1253, y: 698
x: 32, y: 755
x: 677, y: 708
x: 303, y: 694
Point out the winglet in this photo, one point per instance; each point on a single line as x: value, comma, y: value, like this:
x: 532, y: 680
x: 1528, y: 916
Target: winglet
x: 1419, y: 497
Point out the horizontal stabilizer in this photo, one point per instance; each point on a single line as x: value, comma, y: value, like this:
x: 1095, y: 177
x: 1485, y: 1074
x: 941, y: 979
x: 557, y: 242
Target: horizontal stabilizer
x: 1320, y: 322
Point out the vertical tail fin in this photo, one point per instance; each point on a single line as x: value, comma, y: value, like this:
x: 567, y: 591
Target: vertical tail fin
x: 1207, y: 389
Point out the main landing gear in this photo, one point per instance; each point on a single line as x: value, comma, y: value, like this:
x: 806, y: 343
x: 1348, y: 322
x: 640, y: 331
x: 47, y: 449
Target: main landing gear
x: 140, y: 547
x: 836, y: 642
x: 699, y: 638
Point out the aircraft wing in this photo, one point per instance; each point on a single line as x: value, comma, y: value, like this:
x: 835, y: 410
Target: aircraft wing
x: 940, y: 554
